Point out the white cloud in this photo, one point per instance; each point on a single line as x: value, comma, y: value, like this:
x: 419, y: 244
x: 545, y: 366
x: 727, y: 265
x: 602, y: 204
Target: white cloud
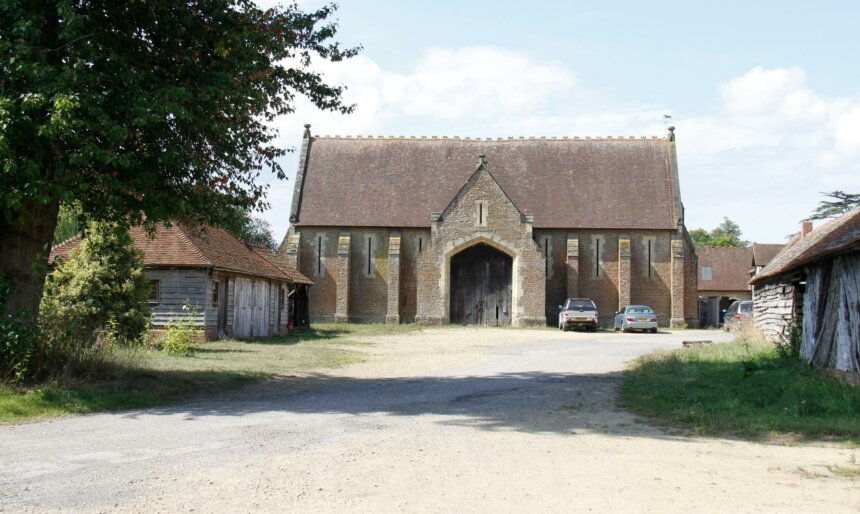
x: 761, y: 158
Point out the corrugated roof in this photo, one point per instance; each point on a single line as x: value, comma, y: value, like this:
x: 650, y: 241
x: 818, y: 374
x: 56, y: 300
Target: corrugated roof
x: 565, y: 183
x: 182, y: 246
x: 729, y: 268
x: 834, y: 236
x: 762, y: 254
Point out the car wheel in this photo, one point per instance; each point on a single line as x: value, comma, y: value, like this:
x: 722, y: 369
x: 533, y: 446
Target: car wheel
x: 653, y: 330
x: 624, y: 330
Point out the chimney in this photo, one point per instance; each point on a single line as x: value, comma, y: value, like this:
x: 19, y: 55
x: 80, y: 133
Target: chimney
x: 805, y: 228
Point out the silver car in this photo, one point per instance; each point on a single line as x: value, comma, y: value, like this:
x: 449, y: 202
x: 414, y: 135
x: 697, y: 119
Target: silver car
x: 636, y: 317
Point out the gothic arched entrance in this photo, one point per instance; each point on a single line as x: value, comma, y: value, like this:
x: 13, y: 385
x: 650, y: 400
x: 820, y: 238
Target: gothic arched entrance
x: 481, y: 286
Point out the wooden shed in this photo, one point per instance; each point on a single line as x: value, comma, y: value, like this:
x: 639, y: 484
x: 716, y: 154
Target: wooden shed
x: 813, y: 286
x: 233, y: 290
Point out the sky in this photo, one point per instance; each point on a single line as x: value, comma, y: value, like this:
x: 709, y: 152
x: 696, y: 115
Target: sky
x: 765, y: 96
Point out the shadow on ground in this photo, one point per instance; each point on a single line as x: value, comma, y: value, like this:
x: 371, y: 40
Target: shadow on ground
x: 531, y: 402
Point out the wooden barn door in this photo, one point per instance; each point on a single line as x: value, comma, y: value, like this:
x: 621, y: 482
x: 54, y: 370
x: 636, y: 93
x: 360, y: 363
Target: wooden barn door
x: 242, y: 307
x: 481, y: 279
x: 261, y: 308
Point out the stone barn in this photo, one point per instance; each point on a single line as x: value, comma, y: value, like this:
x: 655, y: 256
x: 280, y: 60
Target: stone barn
x: 489, y: 231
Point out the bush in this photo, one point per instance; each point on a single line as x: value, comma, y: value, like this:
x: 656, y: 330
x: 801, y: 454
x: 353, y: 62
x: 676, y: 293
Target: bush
x: 181, y: 334
x: 98, y: 295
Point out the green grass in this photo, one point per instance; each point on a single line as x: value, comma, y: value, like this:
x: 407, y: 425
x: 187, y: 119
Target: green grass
x: 742, y: 389
x: 149, y: 378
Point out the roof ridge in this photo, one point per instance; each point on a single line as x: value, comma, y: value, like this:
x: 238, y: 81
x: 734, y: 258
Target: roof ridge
x: 497, y: 139
x: 66, y: 241
x: 197, y: 250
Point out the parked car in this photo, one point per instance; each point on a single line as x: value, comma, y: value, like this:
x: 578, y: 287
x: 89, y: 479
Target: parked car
x: 636, y: 317
x: 739, y: 312
x: 578, y: 312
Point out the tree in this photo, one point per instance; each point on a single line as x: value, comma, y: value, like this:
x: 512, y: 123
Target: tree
x: 249, y: 229
x: 144, y: 112
x: 841, y: 203
x: 99, y: 291
x: 727, y: 233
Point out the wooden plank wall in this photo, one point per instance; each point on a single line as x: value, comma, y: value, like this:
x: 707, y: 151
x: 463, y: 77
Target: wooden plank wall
x: 176, y: 287
x: 831, y: 314
x: 773, y: 308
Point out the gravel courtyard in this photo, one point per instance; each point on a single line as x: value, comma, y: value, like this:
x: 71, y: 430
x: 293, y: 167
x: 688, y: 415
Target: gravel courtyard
x: 451, y: 419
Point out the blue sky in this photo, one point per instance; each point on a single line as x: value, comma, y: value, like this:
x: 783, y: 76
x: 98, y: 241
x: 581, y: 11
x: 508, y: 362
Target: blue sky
x: 765, y: 95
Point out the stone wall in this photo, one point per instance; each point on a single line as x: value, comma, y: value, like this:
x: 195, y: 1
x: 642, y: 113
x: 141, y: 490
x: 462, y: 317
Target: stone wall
x: 482, y: 213
x: 610, y: 266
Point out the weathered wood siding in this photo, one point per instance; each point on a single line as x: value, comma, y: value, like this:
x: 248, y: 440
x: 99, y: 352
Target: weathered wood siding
x: 831, y: 314
x: 176, y: 288
x: 774, y: 308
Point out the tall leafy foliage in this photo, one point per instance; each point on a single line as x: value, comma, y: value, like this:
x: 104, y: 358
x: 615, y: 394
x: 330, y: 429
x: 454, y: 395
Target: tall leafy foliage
x: 838, y: 203
x: 145, y: 111
x: 727, y: 233
x: 99, y: 293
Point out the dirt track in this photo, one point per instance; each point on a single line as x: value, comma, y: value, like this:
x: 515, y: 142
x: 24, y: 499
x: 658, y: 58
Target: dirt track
x: 452, y: 419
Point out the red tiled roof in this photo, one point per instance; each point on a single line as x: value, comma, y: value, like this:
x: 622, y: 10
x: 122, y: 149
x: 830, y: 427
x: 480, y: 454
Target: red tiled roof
x: 762, y: 254
x: 565, y: 183
x: 179, y: 245
x: 279, y: 261
x: 840, y: 234
x: 729, y: 268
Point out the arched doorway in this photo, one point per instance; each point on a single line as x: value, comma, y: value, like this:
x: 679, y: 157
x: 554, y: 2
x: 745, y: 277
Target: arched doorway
x: 481, y: 286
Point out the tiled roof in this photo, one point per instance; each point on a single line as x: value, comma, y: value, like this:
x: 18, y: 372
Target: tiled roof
x: 729, y: 268
x: 179, y: 245
x: 280, y: 261
x: 762, y: 254
x: 834, y: 236
x: 610, y: 183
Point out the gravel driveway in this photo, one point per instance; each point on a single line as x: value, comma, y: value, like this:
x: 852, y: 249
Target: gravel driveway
x: 459, y: 419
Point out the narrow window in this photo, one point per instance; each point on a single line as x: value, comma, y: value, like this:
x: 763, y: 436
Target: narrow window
x: 369, y: 253
x: 481, y: 213
x: 154, y: 292
x: 419, y: 245
x: 215, y: 287
x: 597, y: 258
x: 319, y: 255
x: 649, y: 257
x: 546, y: 256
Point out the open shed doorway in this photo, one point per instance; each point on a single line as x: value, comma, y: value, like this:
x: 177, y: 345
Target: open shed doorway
x: 481, y: 292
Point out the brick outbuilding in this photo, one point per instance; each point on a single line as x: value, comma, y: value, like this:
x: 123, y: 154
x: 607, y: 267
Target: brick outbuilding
x: 489, y: 231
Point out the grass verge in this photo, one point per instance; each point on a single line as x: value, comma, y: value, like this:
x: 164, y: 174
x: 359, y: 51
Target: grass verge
x: 148, y: 378
x: 742, y: 388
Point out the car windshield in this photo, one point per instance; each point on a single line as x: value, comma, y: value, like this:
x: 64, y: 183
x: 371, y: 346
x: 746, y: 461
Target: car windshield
x: 638, y: 309
x: 580, y: 305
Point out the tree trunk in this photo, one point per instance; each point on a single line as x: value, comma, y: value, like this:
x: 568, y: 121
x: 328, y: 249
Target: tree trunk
x: 26, y: 244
